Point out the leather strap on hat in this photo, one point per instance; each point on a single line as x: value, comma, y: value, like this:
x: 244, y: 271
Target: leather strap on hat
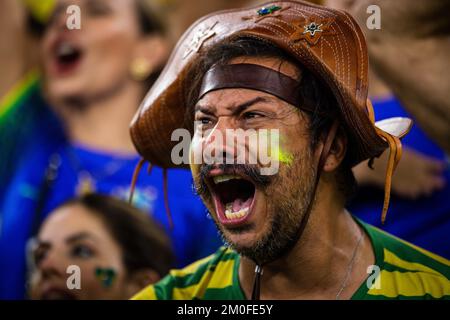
x: 136, y: 172
x: 252, y: 76
x: 395, y: 154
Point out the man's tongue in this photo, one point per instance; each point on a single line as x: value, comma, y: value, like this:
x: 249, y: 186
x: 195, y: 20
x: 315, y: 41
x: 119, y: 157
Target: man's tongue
x: 238, y: 208
x: 240, y: 204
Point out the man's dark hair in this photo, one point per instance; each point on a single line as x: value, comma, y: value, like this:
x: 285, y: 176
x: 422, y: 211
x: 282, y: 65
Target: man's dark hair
x: 143, y: 243
x: 314, y: 94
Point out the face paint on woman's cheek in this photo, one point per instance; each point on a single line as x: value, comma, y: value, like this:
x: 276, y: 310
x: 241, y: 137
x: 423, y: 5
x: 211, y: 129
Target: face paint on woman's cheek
x: 106, y: 276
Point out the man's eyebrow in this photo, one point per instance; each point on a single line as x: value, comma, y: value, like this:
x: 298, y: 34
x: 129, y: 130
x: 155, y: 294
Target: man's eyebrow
x: 238, y: 109
x: 241, y: 107
x: 79, y: 236
x: 205, y: 108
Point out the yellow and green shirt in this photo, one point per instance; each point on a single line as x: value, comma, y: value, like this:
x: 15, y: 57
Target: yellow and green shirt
x: 405, y: 272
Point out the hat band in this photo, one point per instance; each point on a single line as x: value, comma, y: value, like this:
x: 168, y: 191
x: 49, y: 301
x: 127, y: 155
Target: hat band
x: 252, y: 76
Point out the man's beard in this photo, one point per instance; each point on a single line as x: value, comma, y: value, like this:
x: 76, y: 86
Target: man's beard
x: 290, y: 193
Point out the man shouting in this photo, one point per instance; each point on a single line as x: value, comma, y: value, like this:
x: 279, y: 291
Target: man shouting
x: 300, y: 69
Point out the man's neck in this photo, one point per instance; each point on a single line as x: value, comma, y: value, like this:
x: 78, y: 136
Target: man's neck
x: 317, y: 266
x: 103, y: 124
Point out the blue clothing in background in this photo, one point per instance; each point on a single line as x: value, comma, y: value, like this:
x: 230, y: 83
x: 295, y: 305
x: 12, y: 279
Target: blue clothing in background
x: 29, y: 121
x: 424, y: 221
x: 193, y: 237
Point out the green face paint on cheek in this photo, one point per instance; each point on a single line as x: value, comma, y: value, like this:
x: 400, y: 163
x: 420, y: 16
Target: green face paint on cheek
x: 106, y: 276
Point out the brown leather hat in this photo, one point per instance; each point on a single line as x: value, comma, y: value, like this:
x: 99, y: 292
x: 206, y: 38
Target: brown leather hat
x: 326, y: 41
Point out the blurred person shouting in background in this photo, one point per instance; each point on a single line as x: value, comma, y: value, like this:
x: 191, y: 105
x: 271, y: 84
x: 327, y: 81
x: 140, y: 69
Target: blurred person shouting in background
x: 99, y: 70
x: 93, y: 80
x: 117, y: 249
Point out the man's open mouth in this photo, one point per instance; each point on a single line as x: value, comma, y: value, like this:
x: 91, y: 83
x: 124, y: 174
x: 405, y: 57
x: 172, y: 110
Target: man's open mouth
x: 233, y: 197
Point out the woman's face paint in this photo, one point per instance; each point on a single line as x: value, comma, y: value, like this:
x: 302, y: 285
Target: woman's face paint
x: 106, y: 276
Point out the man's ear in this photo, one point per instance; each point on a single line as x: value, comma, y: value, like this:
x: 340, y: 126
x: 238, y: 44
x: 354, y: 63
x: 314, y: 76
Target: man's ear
x: 141, y: 279
x: 153, y: 50
x: 337, y: 151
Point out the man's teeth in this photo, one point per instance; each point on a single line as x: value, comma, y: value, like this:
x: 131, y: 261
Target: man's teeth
x: 229, y: 214
x: 223, y: 178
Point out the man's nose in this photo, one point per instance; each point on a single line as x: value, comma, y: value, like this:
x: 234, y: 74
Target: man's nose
x: 220, y: 140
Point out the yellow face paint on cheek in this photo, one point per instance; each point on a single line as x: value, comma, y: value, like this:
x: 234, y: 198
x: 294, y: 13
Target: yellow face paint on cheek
x: 285, y: 157
x: 280, y: 154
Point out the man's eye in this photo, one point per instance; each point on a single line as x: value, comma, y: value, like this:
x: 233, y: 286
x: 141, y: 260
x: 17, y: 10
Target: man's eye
x: 82, y: 251
x: 252, y: 115
x: 205, y: 120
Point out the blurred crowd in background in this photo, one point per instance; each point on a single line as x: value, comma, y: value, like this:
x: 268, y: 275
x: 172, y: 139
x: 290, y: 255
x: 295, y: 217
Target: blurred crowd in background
x: 66, y: 157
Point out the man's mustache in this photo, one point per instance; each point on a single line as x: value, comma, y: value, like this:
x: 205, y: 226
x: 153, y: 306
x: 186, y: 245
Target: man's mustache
x: 252, y: 172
